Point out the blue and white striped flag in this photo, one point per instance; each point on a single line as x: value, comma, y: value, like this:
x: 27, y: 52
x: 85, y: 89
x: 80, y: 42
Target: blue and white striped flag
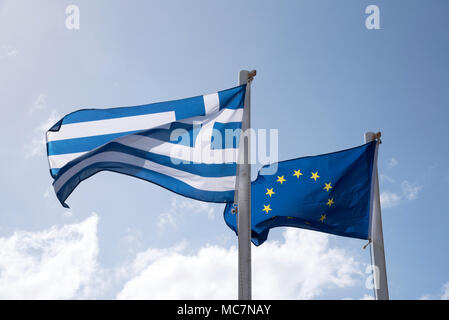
x: 173, y: 144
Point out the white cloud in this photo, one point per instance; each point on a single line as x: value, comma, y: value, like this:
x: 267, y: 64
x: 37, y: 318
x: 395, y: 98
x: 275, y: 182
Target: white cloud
x: 7, y: 51
x: 177, y: 210
x: 410, y: 190
x: 68, y: 213
x: 37, y: 146
x: 386, y: 178
x: 131, y: 242
x: 389, y: 199
x: 300, y: 267
x: 57, y: 263
x: 443, y: 295
x: 365, y: 297
x: 39, y: 104
x: 47, y: 192
x: 392, y: 163
x: 143, y: 259
x: 62, y: 263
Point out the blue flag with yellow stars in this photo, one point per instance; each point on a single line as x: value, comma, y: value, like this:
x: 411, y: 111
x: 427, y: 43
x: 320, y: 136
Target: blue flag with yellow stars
x: 329, y: 193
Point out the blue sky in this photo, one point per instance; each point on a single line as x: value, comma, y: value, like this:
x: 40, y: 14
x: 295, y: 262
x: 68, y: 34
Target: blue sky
x: 323, y: 80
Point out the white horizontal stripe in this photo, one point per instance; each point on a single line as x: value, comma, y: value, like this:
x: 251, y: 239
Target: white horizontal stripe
x: 108, y: 126
x: 198, y: 182
x: 60, y: 160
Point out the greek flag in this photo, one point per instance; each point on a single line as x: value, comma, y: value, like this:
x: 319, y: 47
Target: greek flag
x: 188, y: 146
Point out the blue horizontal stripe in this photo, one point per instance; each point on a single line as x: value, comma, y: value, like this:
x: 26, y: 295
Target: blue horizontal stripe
x: 184, y: 108
x: 233, y: 98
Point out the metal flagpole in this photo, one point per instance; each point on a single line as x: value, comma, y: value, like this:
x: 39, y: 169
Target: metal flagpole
x: 376, y: 234
x: 243, y: 193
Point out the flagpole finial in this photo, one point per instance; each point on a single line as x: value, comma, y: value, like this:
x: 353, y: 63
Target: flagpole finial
x: 246, y: 76
x: 252, y: 74
x: 371, y: 136
x: 378, y: 135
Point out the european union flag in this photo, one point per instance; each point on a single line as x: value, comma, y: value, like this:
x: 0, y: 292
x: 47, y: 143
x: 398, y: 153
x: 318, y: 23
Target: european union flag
x: 329, y: 193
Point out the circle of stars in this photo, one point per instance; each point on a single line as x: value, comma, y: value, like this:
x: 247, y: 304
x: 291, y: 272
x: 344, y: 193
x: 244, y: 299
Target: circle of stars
x: 297, y: 173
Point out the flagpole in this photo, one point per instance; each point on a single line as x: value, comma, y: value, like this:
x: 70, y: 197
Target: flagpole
x: 243, y: 194
x: 376, y: 233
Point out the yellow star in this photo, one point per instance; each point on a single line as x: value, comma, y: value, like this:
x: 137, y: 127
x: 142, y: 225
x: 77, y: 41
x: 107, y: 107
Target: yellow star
x: 330, y: 202
x: 327, y: 186
x: 314, y: 175
x: 270, y: 192
x: 297, y: 173
x: 323, y: 217
x: 267, y: 209
x: 281, y: 179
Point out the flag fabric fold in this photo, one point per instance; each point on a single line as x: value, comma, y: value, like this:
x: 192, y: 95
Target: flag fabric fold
x: 180, y: 145
x: 329, y: 193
